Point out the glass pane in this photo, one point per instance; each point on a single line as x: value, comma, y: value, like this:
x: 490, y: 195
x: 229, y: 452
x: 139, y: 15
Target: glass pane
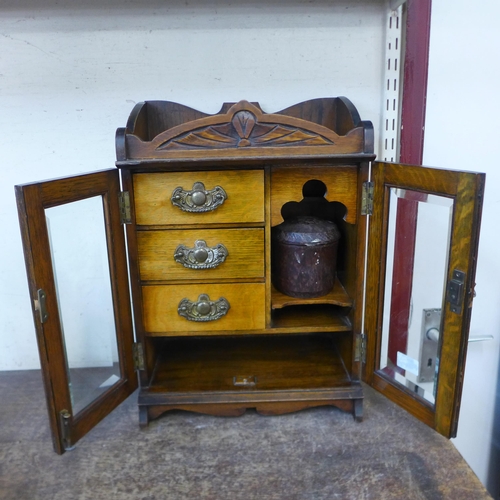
x: 419, y: 230
x: 80, y: 260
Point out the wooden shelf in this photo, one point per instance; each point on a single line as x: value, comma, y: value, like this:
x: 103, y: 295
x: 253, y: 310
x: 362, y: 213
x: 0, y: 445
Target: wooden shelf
x: 311, y: 318
x: 192, y: 365
x: 316, y: 318
x: 338, y: 297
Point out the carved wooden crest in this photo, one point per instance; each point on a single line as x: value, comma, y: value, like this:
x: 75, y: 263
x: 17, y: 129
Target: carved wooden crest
x: 245, y: 130
x: 240, y: 130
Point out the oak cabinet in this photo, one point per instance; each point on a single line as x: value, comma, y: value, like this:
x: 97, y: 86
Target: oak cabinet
x: 189, y: 312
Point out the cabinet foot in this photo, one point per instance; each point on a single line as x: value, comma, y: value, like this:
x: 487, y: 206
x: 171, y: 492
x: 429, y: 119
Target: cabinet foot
x: 358, y: 410
x: 143, y: 417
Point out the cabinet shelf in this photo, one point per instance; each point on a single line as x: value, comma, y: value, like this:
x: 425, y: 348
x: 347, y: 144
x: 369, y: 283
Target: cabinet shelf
x: 273, y: 363
x: 338, y: 297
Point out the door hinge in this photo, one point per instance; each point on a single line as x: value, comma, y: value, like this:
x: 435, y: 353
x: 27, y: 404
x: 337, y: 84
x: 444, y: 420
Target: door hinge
x: 360, y: 348
x: 367, y: 198
x: 124, y: 204
x: 138, y: 356
x: 65, y: 423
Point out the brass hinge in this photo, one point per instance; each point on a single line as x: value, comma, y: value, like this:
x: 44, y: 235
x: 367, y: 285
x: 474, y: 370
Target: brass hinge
x: 360, y: 348
x: 65, y: 422
x: 41, y: 306
x: 124, y: 204
x: 138, y: 356
x: 367, y: 198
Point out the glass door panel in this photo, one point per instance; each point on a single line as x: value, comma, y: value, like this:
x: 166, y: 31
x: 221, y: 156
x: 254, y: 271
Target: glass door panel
x: 74, y: 248
x: 79, y: 252
x: 422, y: 248
x: 410, y: 335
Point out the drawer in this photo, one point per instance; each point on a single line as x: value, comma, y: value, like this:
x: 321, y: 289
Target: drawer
x: 246, y: 307
x: 245, y: 254
x: 244, y: 202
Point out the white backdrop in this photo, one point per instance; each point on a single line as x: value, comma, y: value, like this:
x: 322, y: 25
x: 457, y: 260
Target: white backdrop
x: 70, y: 76
x: 463, y: 106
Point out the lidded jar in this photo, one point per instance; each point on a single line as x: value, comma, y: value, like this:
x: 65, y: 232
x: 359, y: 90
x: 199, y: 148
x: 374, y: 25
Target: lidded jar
x: 304, y: 256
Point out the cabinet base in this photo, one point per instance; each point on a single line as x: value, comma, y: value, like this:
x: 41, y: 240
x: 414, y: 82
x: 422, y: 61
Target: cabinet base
x: 151, y: 412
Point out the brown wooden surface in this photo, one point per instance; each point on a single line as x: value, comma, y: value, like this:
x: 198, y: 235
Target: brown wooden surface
x: 244, y: 131
x: 338, y: 296
x: 238, y: 409
x: 311, y: 318
x: 244, y: 188
x: 466, y: 190
x: 33, y: 199
x: 277, y: 363
x: 314, y: 129
x: 287, y: 184
x: 245, y: 254
x: 247, y: 301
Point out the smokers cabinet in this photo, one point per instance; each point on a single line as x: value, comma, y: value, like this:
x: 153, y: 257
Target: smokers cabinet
x: 158, y: 274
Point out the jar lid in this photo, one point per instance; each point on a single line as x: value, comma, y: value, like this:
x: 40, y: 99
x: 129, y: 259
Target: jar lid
x: 306, y: 230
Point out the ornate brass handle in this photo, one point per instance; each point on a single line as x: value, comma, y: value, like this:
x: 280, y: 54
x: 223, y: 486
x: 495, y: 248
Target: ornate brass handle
x: 204, y: 309
x: 198, y: 199
x: 201, y: 256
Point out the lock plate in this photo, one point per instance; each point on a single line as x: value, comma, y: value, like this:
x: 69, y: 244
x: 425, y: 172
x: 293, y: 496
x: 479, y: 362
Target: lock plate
x: 455, y: 291
x: 431, y: 323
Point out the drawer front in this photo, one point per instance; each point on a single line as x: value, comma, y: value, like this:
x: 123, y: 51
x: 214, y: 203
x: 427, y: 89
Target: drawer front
x: 246, y: 307
x: 197, y: 254
x: 243, y: 198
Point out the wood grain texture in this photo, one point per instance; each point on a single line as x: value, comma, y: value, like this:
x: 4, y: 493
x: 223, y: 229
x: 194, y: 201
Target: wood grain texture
x: 287, y: 186
x: 245, y: 254
x: 277, y: 363
x: 466, y: 189
x: 247, y: 311
x: 33, y: 200
x: 238, y: 409
x: 338, y: 297
x: 245, y: 131
x: 244, y: 203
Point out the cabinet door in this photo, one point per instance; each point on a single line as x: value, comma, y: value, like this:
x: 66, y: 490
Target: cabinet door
x: 422, y: 249
x: 77, y: 272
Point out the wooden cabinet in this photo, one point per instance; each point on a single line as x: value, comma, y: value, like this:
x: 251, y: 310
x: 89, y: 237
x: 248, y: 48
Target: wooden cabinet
x: 200, y: 195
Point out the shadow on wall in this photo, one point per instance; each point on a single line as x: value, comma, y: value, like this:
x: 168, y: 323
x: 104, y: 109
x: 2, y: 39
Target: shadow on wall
x: 493, y: 481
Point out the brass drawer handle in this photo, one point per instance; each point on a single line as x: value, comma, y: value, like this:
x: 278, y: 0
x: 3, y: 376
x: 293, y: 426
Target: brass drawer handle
x: 201, y: 256
x: 204, y: 309
x: 199, y: 199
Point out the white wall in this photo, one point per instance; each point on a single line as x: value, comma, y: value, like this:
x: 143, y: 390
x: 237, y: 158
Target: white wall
x: 70, y: 76
x: 463, y: 108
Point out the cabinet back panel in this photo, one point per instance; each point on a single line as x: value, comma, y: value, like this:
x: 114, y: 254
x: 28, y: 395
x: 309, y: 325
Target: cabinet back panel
x: 287, y: 183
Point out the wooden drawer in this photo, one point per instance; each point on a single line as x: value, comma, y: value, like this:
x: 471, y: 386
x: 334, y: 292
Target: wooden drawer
x: 244, y: 203
x: 246, y: 311
x: 245, y: 254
